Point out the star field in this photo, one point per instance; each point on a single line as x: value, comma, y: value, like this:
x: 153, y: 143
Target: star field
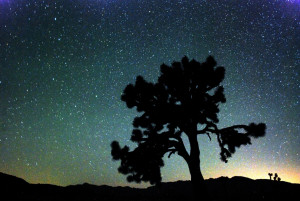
x: 64, y: 65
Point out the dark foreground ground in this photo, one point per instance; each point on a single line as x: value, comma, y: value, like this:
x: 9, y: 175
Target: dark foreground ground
x: 223, y: 188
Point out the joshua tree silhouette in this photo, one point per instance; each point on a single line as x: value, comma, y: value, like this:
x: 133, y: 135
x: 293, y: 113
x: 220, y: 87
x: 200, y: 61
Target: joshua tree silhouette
x: 270, y: 175
x: 275, y: 176
x: 186, y: 96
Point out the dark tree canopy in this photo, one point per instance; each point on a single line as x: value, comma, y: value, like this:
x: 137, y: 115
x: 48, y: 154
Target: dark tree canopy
x: 187, y: 94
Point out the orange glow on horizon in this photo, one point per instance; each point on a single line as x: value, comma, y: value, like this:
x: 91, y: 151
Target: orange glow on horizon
x: 287, y: 175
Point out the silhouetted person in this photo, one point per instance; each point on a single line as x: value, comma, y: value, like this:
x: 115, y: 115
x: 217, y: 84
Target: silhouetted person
x: 185, y: 98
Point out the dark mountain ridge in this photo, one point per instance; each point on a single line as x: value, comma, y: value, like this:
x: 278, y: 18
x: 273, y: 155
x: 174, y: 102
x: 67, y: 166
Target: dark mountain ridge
x: 223, y: 188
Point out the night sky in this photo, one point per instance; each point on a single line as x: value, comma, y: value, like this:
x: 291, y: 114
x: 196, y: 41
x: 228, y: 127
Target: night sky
x: 64, y: 65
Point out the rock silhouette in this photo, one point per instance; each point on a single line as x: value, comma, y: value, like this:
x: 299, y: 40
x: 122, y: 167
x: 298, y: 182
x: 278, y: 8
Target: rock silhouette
x: 185, y: 98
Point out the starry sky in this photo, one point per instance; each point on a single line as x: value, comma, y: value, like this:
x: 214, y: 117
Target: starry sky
x: 64, y: 65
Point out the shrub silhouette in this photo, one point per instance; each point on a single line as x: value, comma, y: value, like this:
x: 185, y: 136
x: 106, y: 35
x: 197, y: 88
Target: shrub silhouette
x: 186, y: 96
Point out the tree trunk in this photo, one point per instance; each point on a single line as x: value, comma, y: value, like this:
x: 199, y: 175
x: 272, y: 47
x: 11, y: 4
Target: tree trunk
x: 198, y: 183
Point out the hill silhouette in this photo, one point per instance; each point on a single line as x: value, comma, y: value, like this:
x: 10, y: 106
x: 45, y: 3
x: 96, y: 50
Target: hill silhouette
x: 223, y: 188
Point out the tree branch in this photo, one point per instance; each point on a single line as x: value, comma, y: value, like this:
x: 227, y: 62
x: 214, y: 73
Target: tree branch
x: 208, y: 136
x: 179, y: 146
x: 208, y: 128
x: 235, y: 127
x: 172, y: 151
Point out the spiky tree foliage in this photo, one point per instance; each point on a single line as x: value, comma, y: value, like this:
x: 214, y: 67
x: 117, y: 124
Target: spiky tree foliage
x: 187, y: 95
